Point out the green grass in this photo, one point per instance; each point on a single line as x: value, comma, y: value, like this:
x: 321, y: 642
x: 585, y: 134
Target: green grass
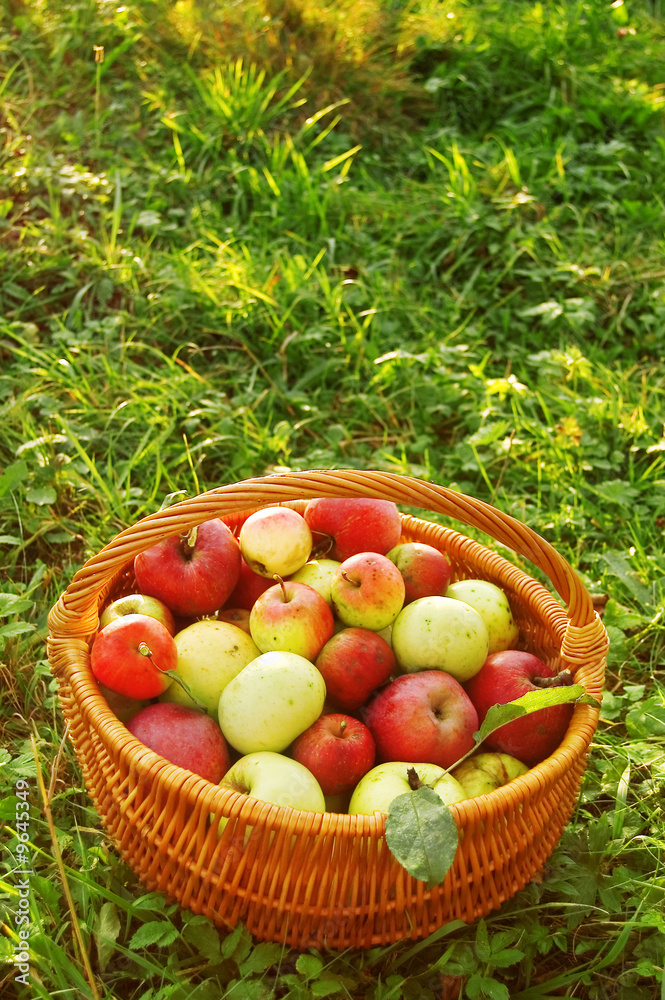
x: 370, y: 235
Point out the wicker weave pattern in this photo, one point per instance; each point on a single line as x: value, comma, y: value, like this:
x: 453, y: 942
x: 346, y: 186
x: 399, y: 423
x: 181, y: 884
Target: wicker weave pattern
x: 326, y: 880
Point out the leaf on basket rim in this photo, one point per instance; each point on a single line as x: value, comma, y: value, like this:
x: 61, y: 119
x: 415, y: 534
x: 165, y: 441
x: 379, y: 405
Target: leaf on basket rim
x: 532, y: 701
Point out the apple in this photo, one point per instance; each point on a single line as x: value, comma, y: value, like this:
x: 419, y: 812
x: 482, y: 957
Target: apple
x: 338, y: 750
x: 317, y: 573
x: 271, y: 702
x: 209, y: 654
x: 353, y: 663
x: 367, y: 591
x: 131, y: 656
x: 250, y: 585
x: 193, y: 573
x: 426, y: 571
x: 275, y: 778
x: 291, y: 617
x: 377, y: 789
x: 122, y: 707
x: 507, y: 675
x: 137, y: 604
x: 354, y: 525
x: 422, y: 717
x: 183, y: 736
x: 492, y: 605
x: 275, y: 541
x: 439, y: 633
x: 483, y: 772
x: 235, y: 616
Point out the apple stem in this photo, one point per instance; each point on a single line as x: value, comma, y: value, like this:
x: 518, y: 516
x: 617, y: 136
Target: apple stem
x: 188, y: 540
x: 562, y: 679
x: 342, y: 726
x: 414, y: 780
x: 355, y: 583
x: 177, y: 679
x: 280, y: 581
x: 323, y: 544
x: 145, y: 650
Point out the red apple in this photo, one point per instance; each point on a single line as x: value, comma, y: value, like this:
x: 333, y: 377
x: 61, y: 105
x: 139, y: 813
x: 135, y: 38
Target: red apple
x: 507, y: 675
x: 367, y: 591
x: 195, y: 573
x: 293, y: 618
x: 235, y: 616
x: 130, y: 656
x: 184, y: 736
x: 425, y: 717
x: 137, y: 604
x: 338, y: 750
x: 426, y: 571
x: 354, y: 663
x: 354, y: 525
x: 249, y: 587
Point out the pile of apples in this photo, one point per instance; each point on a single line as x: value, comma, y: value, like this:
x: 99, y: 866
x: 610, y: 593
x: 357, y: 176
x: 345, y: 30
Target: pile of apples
x: 318, y: 661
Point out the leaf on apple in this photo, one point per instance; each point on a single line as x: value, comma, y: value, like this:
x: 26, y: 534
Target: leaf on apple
x: 422, y: 835
x: 532, y: 701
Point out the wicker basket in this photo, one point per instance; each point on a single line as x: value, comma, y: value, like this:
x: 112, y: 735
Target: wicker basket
x: 311, y: 879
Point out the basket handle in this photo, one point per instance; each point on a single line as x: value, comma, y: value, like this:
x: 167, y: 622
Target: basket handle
x: 264, y: 491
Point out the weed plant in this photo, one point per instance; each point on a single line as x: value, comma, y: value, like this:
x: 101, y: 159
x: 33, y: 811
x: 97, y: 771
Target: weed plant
x: 418, y: 236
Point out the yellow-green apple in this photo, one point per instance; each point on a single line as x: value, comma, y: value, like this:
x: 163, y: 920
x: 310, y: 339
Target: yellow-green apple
x: 185, y: 737
x: 317, y: 573
x: 137, y: 604
x: 377, y: 789
x: 508, y: 675
x: 271, y: 702
x: 426, y: 571
x: 193, y: 573
x: 131, y: 656
x: 492, y: 605
x: 235, y: 616
x: 367, y: 591
x: 250, y: 585
x: 422, y: 717
x: 291, y: 617
x: 439, y: 633
x: 275, y: 541
x: 273, y: 777
x: 210, y: 653
x: 338, y: 749
x: 354, y: 525
x: 354, y: 662
x: 483, y: 772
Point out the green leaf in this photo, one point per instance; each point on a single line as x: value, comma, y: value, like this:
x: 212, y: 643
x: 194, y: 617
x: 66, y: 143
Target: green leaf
x: 309, y: 966
x: 621, y: 568
x: 647, y: 718
x: 265, y: 954
x: 326, y: 987
x: 107, y: 928
x: 532, y: 701
x: 422, y: 835
x: 157, y: 932
x: 237, y: 944
x: 41, y: 495
x: 12, y: 476
x: 14, y: 629
x: 202, y: 933
x: 13, y: 604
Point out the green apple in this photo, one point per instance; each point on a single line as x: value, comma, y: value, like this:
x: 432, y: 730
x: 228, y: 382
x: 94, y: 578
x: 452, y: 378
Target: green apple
x: 317, y: 574
x: 483, y: 772
x: 492, y: 605
x: 210, y: 654
x: 376, y: 790
x: 275, y: 778
x: 272, y: 700
x: 440, y: 633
